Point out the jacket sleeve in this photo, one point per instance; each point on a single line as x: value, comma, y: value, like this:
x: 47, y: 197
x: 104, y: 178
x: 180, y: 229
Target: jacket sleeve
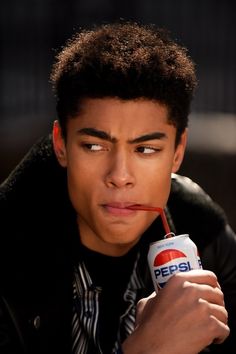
x: 195, y: 213
x: 10, y: 341
x: 220, y: 257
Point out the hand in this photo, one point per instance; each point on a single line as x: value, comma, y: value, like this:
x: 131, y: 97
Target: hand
x: 186, y: 316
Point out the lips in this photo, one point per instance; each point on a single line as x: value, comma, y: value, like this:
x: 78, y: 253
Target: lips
x: 119, y: 208
x: 121, y: 205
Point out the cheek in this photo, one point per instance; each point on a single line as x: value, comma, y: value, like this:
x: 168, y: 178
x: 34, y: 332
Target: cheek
x: 161, y: 191
x: 157, y: 183
x: 79, y: 182
x: 82, y: 179
x: 74, y: 190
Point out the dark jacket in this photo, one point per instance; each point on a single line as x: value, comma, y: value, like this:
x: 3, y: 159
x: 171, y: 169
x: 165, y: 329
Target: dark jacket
x: 38, y: 249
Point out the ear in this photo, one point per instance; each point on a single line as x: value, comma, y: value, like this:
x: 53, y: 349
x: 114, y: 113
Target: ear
x: 59, y: 144
x: 179, y: 152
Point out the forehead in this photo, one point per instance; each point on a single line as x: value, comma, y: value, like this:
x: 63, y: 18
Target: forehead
x: 108, y: 105
x: 108, y: 113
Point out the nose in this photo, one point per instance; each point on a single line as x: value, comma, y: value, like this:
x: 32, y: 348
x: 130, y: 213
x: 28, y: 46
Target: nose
x: 120, y: 172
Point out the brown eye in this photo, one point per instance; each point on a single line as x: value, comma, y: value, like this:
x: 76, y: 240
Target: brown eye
x: 147, y: 150
x: 93, y: 147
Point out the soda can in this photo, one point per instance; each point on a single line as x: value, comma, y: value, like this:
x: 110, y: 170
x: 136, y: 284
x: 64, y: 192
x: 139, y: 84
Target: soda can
x: 172, y: 255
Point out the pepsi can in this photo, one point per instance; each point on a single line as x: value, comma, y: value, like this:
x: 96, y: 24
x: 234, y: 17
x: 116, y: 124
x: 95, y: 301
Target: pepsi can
x: 171, y: 255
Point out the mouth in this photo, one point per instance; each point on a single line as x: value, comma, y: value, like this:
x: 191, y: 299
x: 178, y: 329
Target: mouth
x: 145, y: 208
x: 120, y: 208
x: 128, y: 209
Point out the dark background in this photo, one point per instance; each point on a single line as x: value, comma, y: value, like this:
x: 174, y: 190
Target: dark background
x: 32, y: 30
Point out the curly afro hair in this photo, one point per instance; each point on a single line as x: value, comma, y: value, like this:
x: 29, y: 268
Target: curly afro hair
x: 126, y: 61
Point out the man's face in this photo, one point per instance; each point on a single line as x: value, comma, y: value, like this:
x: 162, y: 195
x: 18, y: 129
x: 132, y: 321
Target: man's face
x: 117, y: 154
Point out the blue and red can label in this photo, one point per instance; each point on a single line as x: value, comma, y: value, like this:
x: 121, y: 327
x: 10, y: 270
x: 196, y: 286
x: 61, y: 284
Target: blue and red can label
x: 171, y: 255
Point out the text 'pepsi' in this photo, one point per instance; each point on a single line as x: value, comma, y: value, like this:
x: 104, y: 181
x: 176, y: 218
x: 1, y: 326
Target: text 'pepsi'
x: 171, y: 255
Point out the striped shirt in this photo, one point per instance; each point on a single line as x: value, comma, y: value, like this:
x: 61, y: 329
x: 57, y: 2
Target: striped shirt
x: 86, y: 310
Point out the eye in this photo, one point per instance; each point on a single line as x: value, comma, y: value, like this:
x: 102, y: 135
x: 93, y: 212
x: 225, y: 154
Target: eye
x: 147, y: 150
x: 93, y: 147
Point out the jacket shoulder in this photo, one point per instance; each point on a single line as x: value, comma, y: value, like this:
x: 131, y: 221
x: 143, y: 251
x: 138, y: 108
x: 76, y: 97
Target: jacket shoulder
x: 193, y: 210
x: 36, y: 177
x: 35, y: 193
x: 31, y: 165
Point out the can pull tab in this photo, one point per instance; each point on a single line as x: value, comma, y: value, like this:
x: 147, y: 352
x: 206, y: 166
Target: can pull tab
x: 169, y: 235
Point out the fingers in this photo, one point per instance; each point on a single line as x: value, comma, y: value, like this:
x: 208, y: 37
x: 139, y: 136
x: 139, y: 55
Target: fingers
x: 211, y: 294
x: 199, y: 276
x: 199, y: 299
x: 220, y: 329
x: 208, y: 294
x: 145, y: 303
x: 212, y: 311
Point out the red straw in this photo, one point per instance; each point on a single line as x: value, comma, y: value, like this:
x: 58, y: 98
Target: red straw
x: 156, y: 209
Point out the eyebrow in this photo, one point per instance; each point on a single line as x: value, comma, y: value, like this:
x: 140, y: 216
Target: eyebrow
x: 146, y: 137
x: 105, y: 136
x: 97, y: 134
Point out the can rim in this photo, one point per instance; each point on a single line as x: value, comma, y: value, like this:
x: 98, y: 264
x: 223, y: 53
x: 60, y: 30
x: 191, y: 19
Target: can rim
x: 166, y: 239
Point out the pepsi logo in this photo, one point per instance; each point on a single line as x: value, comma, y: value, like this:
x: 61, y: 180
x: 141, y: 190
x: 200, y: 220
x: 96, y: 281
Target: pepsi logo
x: 166, y: 256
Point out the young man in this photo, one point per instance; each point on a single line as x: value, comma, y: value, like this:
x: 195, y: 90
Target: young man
x: 74, y: 274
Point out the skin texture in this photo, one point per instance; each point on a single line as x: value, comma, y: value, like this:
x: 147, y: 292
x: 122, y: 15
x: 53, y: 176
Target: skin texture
x: 129, y: 161
x: 119, y: 153
x: 184, y: 318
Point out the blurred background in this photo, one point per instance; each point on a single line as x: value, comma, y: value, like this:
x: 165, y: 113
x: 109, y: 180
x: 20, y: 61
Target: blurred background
x: 31, y: 31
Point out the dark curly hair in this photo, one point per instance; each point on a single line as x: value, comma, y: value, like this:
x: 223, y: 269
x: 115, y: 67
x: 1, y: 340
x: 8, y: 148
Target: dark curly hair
x: 126, y: 61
